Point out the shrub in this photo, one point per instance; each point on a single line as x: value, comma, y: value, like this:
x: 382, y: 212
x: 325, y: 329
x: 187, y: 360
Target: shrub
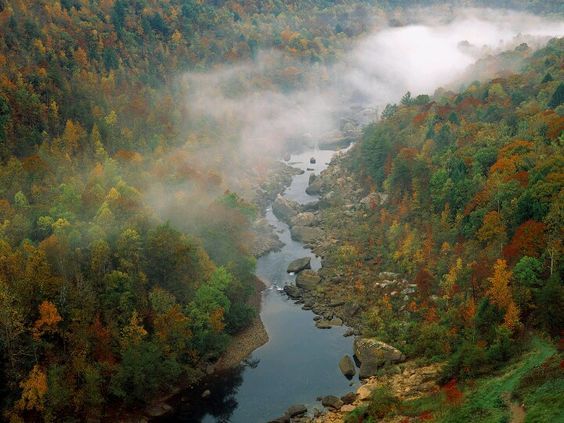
x: 382, y: 403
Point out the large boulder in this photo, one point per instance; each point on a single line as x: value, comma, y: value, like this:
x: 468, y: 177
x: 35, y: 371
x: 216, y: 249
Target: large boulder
x: 346, y: 364
x: 292, y: 291
x: 285, y: 209
x: 373, y: 354
x: 299, y: 264
x: 306, y: 234
x: 304, y: 219
x: 331, y: 401
x: 308, y: 279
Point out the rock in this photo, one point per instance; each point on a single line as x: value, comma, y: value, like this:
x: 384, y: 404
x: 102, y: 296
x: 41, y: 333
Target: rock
x: 296, y: 410
x: 364, y: 392
x: 332, y: 401
x: 336, y: 304
x: 351, y: 309
x: 210, y: 369
x: 335, y: 321
x: 311, y: 207
x: 206, y: 393
x: 373, y: 354
x: 346, y: 364
x: 285, y: 209
x: 388, y: 275
x: 299, y: 264
x: 312, y: 160
x: 307, y: 279
x: 349, y: 332
x: 292, y: 291
x: 158, y: 410
x: 304, y: 219
x: 347, y: 408
x: 315, y: 187
x: 348, y: 398
x: 323, y: 324
x: 306, y: 234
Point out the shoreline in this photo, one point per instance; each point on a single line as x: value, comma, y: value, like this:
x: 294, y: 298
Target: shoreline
x: 249, y: 339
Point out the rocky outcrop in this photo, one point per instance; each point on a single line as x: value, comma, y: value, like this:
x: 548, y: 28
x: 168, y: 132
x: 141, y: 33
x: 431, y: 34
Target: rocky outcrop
x: 306, y: 234
x: 304, y: 219
x: 308, y: 279
x: 373, y: 354
x: 346, y: 364
x: 285, y: 209
x: 315, y: 185
x: 373, y: 200
x: 299, y: 264
x: 292, y: 291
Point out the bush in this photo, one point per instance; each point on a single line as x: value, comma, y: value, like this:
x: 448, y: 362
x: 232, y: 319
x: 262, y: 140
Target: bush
x: 468, y: 361
x: 382, y: 403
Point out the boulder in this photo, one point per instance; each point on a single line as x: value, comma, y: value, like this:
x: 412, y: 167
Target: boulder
x: 312, y: 160
x: 306, y: 234
x: 373, y: 354
x: 285, y: 209
x: 296, y: 410
x: 315, y: 185
x: 299, y: 264
x: 292, y: 291
x: 348, y: 398
x: 323, y: 324
x: 331, y: 401
x: 346, y: 364
x: 303, y: 219
x: 308, y: 279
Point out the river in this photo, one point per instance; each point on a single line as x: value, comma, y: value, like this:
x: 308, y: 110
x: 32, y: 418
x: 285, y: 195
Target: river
x: 300, y: 362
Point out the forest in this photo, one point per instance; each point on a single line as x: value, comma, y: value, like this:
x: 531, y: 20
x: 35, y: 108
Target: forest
x: 474, y: 218
x: 107, y: 302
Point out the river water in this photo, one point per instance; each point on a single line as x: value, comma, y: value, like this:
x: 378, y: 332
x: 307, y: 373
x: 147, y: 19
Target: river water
x: 300, y: 362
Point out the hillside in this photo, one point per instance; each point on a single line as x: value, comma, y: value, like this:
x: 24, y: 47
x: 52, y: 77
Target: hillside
x: 463, y: 209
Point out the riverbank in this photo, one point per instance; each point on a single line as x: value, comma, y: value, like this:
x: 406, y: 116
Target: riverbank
x: 248, y: 340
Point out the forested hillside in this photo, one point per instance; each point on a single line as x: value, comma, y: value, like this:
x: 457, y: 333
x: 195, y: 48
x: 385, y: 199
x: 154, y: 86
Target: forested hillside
x: 105, y: 305
x: 473, y: 218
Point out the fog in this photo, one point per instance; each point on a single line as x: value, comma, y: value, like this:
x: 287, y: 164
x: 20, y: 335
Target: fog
x: 261, y: 118
x: 239, y: 116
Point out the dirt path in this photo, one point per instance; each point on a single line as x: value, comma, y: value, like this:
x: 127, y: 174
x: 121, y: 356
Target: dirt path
x: 516, y: 410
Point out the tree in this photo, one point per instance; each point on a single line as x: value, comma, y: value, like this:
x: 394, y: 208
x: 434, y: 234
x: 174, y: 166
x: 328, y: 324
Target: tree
x: 48, y: 320
x: 558, y: 97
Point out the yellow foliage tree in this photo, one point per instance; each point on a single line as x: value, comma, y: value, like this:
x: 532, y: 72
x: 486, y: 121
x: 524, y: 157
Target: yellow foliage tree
x: 34, y: 389
x: 49, y: 318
